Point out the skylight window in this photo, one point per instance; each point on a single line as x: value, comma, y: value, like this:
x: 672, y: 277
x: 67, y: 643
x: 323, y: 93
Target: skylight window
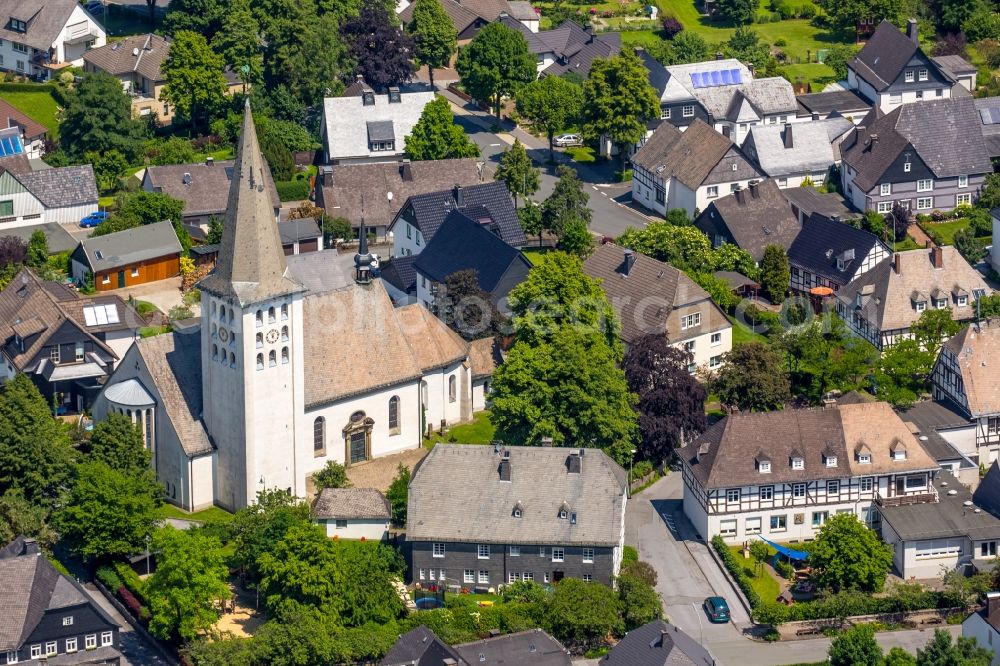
x: 101, y: 315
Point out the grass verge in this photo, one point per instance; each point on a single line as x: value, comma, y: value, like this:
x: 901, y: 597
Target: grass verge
x: 478, y: 431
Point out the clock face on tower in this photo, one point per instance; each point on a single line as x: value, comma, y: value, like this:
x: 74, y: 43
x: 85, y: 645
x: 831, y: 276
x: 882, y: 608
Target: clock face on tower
x: 272, y: 335
x: 223, y: 334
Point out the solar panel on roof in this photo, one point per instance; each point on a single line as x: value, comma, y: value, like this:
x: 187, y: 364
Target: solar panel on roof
x: 696, y: 79
x: 737, y: 76
x: 727, y: 77
x: 990, y: 116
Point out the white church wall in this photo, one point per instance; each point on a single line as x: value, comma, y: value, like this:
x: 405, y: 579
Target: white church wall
x: 202, y: 481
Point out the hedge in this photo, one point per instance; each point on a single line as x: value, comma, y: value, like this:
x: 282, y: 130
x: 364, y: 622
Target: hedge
x: 130, y: 580
x: 736, y: 570
x: 292, y: 190
x: 57, y: 92
x: 901, y: 598
x: 109, y: 578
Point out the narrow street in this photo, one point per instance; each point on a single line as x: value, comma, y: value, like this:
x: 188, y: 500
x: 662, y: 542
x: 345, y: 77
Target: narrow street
x: 655, y: 524
x: 134, y: 648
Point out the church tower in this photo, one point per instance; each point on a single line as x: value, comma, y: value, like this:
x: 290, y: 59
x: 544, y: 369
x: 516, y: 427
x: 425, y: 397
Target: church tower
x: 251, y: 341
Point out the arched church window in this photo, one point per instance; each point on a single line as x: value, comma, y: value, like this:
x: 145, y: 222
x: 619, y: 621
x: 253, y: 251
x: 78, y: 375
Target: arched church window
x: 215, y: 331
x: 284, y: 312
x: 284, y: 334
x: 272, y: 358
x: 260, y: 361
x: 358, y: 438
x: 260, y: 340
x: 394, y: 412
x: 319, y: 436
x: 231, y: 315
x: 452, y: 385
x: 232, y: 360
x: 213, y: 308
x: 270, y: 315
x: 284, y: 355
x: 215, y: 352
x: 222, y: 312
x: 259, y: 318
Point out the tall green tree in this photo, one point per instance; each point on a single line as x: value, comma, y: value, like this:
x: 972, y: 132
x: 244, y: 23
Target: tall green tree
x: 119, y: 443
x: 846, y: 555
x: 581, y: 614
x: 238, y: 43
x: 640, y: 602
x: 201, y: 16
x: 109, y: 169
x: 517, y: 172
x: 397, y: 494
x: 108, y: 513
x: 436, y: 136
x: 618, y: 100
x: 739, y: 12
x: 190, y: 580
x: 195, y: 84
x: 300, y: 55
x: 35, y: 452
x: 551, y: 104
x: 686, y: 248
x: 434, y: 36
x: 752, y: 378
x: 258, y: 527
x: 775, y: 273
x: 963, y: 652
x: 378, y: 46
x: 333, y: 475
x: 19, y: 516
x: 98, y: 118
x: 846, y: 14
x: 567, y: 205
x: 495, y: 64
x: 38, y: 250
x: 856, y: 647
x: 902, y: 373
x: 933, y: 328
x: 897, y: 656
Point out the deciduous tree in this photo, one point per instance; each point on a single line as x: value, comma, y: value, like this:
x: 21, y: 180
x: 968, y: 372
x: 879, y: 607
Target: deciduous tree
x: 845, y: 15
x: 846, y: 555
x: 640, y: 602
x: 38, y: 250
x: 333, y: 475
x: 434, y: 36
x: 739, y: 12
x: 933, y: 328
x: 437, y: 136
x: 567, y: 205
x: 671, y: 402
x: 258, y: 527
x: 495, y: 64
x: 398, y: 493
x: 517, y: 171
x: 752, y: 378
x: 119, y: 444
x: 581, y: 614
x: 551, y: 104
x: 618, y: 100
x: 942, y: 652
x: 378, y: 46
x: 775, y: 273
x: 201, y: 16
x: 238, y: 42
x: 902, y: 373
x: 98, y: 118
x: 856, y: 647
x: 195, y: 84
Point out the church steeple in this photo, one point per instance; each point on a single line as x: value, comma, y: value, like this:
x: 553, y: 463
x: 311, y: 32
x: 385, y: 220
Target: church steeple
x: 251, y: 264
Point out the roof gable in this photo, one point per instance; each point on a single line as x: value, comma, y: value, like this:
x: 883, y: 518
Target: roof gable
x: 754, y: 218
x: 832, y: 249
x: 688, y: 156
x: 428, y: 211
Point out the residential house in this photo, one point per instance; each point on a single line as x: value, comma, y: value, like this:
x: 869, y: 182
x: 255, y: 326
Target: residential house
x: 832, y: 104
x: 489, y: 204
x: 204, y: 189
x: 892, y: 69
x: 567, y: 48
x: 128, y: 258
x: 484, y: 357
x: 941, y: 530
x: 463, y: 244
x: 959, y: 70
x: 828, y: 253
x: 658, y: 643
x: 963, y: 375
x: 352, y: 513
x: 523, y: 11
x: 137, y: 61
x: 989, y: 119
x: 881, y: 304
x: 984, y: 626
x: 38, y: 38
x: 924, y: 157
x: 67, y: 345
x: 422, y: 647
x: 807, y: 201
x: 400, y: 279
x: 688, y: 169
x: 797, y: 154
x: 947, y: 435
x: 19, y: 134
x: 48, y: 616
x: 722, y: 93
x: 470, y: 16
x: 750, y: 218
x: 782, y: 474
x: 371, y: 127
x: 300, y: 236
x: 376, y: 191
x: 528, y: 513
x: 61, y: 195
x: 650, y: 296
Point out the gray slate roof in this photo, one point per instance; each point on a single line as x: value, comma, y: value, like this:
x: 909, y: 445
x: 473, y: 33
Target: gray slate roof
x: 809, y: 200
x: 783, y: 150
x: 987, y: 495
x: 948, y: 517
x: 885, y: 55
x: 843, y: 102
x: 945, y: 133
x: 533, y: 647
x: 928, y: 417
x: 822, y: 242
x: 539, y: 481
x: 63, y: 186
x: 347, y: 121
x: 122, y: 248
x: 573, y: 47
x: 989, y: 114
x: 58, y: 238
x: 421, y: 647
x: 954, y: 65
x: 755, y: 218
x: 292, y: 231
x: 207, y: 193
x: 351, y: 503
x: 657, y: 644
x: 45, y: 19
x: 430, y: 210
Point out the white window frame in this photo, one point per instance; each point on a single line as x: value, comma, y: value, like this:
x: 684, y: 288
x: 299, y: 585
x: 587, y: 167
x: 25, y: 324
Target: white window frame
x: 922, y: 74
x: 963, y: 181
x: 831, y: 461
x: 798, y: 463
x: 515, y: 551
x: 483, y: 551
x: 884, y: 189
x: 716, y: 339
x: 765, y: 467
x: 588, y: 555
x: 51, y: 648
x: 438, y: 549
x: 715, y: 361
x: 588, y: 578
x: 733, y: 495
x: 67, y: 621
x: 783, y: 518
x: 558, y: 554
x: 884, y: 207
x: 687, y: 111
x: 712, y: 192
x: 865, y: 458
x: 796, y: 488
x: 766, y: 493
x: 727, y: 527
x: 36, y: 651
x: 469, y: 576
x: 690, y: 321
x: 907, y: 166
x: 71, y: 645
x: 11, y: 656
x: 921, y: 306
x: 963, y: 199
x: 484, y: 577
x: 962, y: 301
x: 90, y: 641
x: 664, y: 113
x: 909, y: 76
x: 753, y: 525
x: 823, y: 516
x: 925, y: 185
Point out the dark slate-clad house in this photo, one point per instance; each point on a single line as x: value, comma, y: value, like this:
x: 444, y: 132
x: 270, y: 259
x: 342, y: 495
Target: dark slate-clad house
x: 828, y: 253
x: 658, y: 644
x: 923, y: 156
x: 751, y: 219
x: 422, y: 647
x: 528, y: 513
x: 47, y: 616
x: 892, y: 69
x: 462, y: 244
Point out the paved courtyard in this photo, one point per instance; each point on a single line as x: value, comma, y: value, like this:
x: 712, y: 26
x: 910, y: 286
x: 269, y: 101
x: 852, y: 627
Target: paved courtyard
x: 380, y: 472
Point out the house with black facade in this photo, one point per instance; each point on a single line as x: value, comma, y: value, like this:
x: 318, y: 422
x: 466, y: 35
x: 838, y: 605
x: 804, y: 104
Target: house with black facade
x: 829, y: 253
x: 48, y: 616
x: 422, y: 647
x: 527, y: 513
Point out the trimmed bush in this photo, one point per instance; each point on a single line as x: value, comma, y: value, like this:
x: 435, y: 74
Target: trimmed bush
x: 292, y: 190
x: 736, y: 570
x: 109, y: 578
x: 130, y: 579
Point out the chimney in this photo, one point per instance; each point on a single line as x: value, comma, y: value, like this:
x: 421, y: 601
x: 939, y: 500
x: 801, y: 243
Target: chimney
x: 394, y: 95
x: 326, y: 175
x: 788, y: 137
x: 937, y: 257
x: 992, y: 602
x: 574, y: 463
x: 30, y: 547
x: 629, y: 262
x: 896, y: 264
x: 718, y: 55
x: 405, y: 171
x: 546, y: 441
x: 928, y: 244
x: 209, y: 161
x: 505, y: 469
x: 873, y: 138
x: 187, y: 178
x: 754, y: 192
x: 750, y: 67
x: 702, y: 451
x: 911, y: 30
x: 739, y: 194
x: 459, y: 196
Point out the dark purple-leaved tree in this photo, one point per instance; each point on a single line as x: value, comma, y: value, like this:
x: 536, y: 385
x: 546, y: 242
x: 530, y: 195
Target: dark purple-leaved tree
x: 671, y: 401
x: 380, y: 48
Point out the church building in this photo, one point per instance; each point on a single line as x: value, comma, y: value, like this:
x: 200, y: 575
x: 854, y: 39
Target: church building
x: 277, y: 380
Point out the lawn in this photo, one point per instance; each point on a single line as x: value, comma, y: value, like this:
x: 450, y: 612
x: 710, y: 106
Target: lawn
x: 479, y: 431
x: 213, y: 513
x: 816, y: 74
x: 535, y: 254
x: 39, y: 106
x: 742, y: 333
x: 581, y: 154
x: 762, y: 582
x: 906, y: 244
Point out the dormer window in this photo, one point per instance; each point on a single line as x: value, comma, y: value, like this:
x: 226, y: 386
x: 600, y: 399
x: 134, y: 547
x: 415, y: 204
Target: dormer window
x: 518, y: 510
x: 562, y: 514
x: 17, y: 25
x: 922, y: 75
x: 962, y: 301
x: 564, y: 511
x: 920, y: 306
x: 517, y: 513
x: 940, y: 303
x: 764, y: 467
x: 857, y: 300
x: 798, y: 463
x: 830, y: 461
x: 899, y: 454
x: 368, y: 98
x: 865, y: 458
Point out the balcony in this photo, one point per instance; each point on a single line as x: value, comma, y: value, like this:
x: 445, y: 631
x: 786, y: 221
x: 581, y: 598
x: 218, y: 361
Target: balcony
x: 928, y: 497
x: 84, y: 31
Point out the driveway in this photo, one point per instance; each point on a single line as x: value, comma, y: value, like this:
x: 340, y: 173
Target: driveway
x: 655, y: 524
x: 164, y: 294
x: 134, y: 648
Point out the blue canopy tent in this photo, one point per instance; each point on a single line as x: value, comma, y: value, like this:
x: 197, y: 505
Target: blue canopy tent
x: 797, y: 555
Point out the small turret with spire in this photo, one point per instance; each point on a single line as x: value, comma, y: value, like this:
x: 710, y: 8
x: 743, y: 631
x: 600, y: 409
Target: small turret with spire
x: 364, y: 261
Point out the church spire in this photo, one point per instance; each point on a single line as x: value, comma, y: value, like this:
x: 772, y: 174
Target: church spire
x: 251, y: 264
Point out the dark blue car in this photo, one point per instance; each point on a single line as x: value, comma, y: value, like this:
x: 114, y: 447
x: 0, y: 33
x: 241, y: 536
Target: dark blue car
x: 717, y: 609
x: 94, y: 219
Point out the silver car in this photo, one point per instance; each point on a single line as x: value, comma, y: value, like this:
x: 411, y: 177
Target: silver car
x: 568, y: 140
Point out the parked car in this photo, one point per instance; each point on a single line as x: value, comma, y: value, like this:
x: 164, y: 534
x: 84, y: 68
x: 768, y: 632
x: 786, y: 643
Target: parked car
x: 94, y: 219
x: 95, y: 6
x: 717, y: 609
x: 568, y: 140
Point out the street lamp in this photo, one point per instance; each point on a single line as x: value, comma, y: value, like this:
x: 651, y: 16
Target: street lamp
x: 147, y: 554
x: 631, y: 458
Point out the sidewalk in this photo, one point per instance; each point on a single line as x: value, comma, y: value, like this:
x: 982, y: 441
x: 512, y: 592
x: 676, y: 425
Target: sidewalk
x: 134, y: 648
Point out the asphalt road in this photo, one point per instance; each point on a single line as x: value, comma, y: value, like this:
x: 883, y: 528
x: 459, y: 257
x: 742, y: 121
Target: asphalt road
x: 656, y: 526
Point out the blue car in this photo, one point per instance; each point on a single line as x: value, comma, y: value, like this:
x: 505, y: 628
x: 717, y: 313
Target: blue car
x: 717, y: 609
x: 94, y: 219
